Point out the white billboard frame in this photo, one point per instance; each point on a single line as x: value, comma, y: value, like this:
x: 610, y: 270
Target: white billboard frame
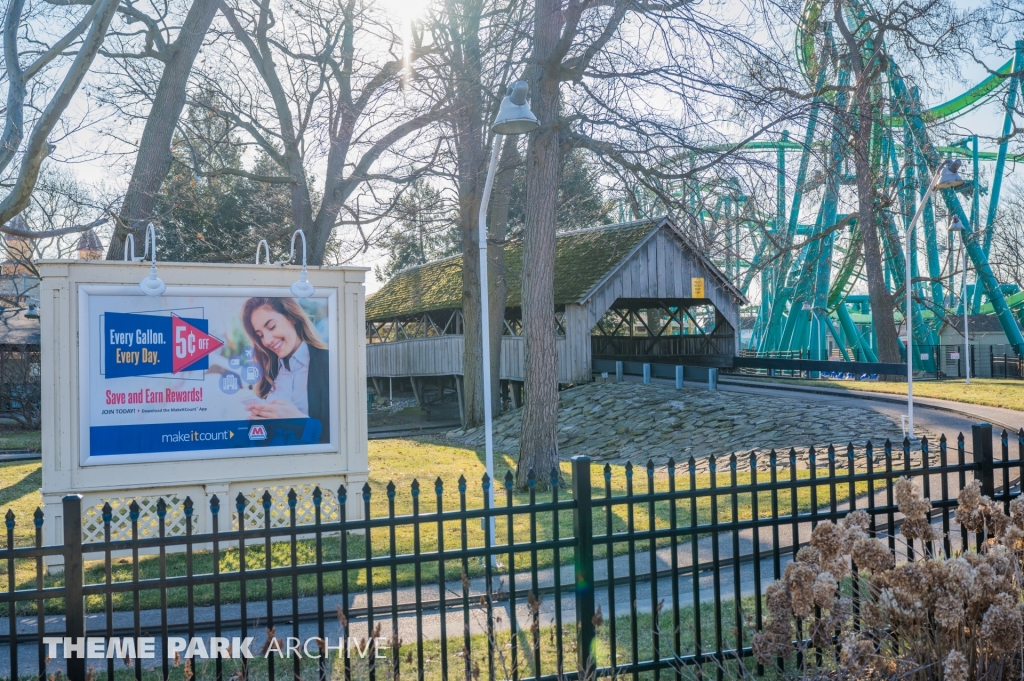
x: 85, y: 348
x: 64, y: 284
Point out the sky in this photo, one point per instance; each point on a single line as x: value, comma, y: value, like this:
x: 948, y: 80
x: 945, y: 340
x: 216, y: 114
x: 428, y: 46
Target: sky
x: 985, y: 121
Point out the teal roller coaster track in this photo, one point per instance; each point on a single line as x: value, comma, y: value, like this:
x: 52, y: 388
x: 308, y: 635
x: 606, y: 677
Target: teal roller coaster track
x: 808, y: 291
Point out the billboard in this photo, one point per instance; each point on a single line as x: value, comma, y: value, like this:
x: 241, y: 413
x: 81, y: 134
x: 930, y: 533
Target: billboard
x: 202, y: 373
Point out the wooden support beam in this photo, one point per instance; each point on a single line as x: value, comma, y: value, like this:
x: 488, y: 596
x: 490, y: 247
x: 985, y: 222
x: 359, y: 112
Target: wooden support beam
x: 462, y: 405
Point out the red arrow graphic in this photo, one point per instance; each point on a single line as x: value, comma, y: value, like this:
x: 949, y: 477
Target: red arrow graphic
x: 190, y: 344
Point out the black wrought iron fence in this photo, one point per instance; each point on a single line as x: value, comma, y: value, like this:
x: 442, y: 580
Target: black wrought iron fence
x: 952, y: 361
x: 1006, y: 364
x: 635, y: 571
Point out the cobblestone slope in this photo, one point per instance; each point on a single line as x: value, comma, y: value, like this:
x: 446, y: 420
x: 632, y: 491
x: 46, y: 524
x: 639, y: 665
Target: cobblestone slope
x: 619, y: 422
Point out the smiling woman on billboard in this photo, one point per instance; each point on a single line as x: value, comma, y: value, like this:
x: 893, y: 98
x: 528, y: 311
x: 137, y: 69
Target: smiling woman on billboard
x: 295, y: 364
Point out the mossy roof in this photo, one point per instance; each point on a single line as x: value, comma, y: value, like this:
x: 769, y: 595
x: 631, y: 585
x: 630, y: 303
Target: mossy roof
x: 582, y: 259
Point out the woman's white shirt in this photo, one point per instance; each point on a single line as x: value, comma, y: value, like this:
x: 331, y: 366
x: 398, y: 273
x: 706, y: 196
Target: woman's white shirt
x: 292, y: 379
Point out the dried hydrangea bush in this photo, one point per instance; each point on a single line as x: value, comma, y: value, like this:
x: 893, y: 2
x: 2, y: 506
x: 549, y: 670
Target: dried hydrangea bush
x: 950, y: 619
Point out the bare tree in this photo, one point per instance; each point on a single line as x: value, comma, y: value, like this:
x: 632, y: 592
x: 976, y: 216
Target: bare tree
x: 1007, y: 257
x: 865, y: 53
x: 59, y: 208
x: 478, y: 43
x: 602, y: 75
x: 320, y: 90
x: 45, y: 60
x: 175, y: 50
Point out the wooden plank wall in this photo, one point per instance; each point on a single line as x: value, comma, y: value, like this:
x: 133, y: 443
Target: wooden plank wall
x: 574, y: 365
x: 442, y: 356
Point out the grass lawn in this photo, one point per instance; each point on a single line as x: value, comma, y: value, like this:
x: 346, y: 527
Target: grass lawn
x: 19, y: 492
x: 989, y: 392
x: 21, y: 439
x: 402, y: 461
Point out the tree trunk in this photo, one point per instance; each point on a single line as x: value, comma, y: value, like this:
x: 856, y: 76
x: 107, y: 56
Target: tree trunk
x: 471, y: 157
x: 538, y: 441
x: 496, y: 231
x: 882, y: 305
x: 472, y: 354
x: 154, y: 158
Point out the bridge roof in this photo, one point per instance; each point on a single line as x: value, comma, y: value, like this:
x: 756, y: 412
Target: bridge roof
x: 583, y: 260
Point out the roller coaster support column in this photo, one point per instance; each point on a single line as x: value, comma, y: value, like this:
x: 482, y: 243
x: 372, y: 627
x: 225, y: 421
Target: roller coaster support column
x: 780, y: 291
x: 829, y: 216
x: 915, y: 159
x: 983, y: 271
x: 855, y: 338
x: 976, y: 215
x: 770, y: 288
x: 997, y: 176
x: 839, y: 340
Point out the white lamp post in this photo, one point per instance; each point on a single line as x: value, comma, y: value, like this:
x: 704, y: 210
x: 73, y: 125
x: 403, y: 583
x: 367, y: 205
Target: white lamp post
x: 945, y: 177
x: 958, y: 227
x: 514, y: 118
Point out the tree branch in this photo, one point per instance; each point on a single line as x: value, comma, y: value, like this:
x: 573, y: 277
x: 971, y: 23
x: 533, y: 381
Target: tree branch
x: 32, y: 234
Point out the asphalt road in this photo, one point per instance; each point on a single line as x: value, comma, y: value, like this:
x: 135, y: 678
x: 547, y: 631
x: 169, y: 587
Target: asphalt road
x: 934, y: 415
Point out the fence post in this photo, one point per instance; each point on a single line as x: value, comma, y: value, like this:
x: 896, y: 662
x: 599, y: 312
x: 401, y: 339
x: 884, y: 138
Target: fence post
x: 618, y: 372
x: 647, y: 373
x: 74, y: 601
x: 712, y: 379
x: 679, y: 377
x: 982, y: 447
x: 583, y: 563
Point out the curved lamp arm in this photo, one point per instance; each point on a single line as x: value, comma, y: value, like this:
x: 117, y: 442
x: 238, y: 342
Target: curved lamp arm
x: 262, y: 244
x: 302, y: 288
x: 129, y: 248
x: 151, y: 285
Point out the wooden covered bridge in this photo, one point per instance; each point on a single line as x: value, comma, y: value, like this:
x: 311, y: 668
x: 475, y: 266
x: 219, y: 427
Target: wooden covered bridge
x: 630, y: 291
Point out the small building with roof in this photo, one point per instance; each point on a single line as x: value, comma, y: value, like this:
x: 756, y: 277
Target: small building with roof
x: 89, y: 246
x: 19, y: 365
x: 18, y: 251
x: 626, y: 292
x: 991, y: 352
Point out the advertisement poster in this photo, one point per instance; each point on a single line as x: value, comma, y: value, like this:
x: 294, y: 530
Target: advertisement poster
x: 201, y: 373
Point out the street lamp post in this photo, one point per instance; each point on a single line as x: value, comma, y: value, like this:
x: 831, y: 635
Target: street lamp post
x: 945, y: 177
x: 514, y: 118
x: 958, y: 227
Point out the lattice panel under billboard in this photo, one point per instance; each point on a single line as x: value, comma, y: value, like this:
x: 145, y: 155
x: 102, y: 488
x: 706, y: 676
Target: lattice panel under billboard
x: 121, y: 522
x: 305, y: 510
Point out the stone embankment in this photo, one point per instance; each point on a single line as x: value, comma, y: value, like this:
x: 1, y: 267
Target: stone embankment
x: 619, y: 422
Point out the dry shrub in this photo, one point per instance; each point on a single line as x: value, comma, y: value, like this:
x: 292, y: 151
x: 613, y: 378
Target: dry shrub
x: 948, y: 619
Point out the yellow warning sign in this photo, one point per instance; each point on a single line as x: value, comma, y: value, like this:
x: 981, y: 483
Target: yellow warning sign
x: 697, y: 287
